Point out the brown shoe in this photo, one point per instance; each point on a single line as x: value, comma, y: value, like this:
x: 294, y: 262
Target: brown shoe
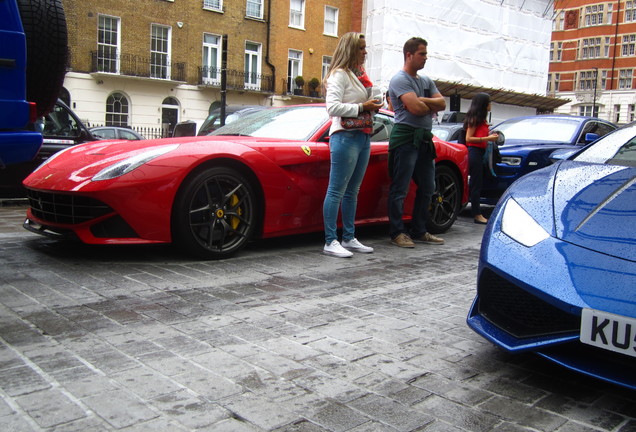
x: 403, y: 240
x: 429, y: 239
x: 479, y: 219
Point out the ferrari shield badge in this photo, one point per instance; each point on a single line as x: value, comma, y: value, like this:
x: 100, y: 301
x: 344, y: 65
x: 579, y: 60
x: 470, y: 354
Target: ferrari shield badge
x: 307, y: 150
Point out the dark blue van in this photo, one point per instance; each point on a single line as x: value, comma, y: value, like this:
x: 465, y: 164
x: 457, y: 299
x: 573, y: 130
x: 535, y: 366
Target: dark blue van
x: 33, y: 54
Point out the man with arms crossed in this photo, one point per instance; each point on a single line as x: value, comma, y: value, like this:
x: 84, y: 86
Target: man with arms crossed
x: 414, y: 100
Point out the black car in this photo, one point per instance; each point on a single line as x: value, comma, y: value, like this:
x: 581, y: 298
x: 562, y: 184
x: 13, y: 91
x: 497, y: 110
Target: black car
x: 213, y: 121
x: 61, y: 128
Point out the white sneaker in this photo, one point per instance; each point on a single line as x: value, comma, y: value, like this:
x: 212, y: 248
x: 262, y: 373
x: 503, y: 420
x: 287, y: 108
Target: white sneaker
x: 356, y: 246
x: 334, y: 249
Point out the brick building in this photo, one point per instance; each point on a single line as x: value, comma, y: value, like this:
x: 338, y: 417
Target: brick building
x: 153, y: 63
x: 592, y: 58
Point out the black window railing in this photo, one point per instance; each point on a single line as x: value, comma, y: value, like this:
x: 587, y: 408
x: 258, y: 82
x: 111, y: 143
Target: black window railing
x: 236, y: 79
x: 137, y: 66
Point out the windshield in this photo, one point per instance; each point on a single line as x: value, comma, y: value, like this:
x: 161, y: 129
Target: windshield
x: 293, y: 123
x: 539, y: 128
x: 618, y: 148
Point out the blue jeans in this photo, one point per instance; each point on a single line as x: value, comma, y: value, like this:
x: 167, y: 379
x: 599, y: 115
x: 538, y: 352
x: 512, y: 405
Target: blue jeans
x: 476, y: 172
x: 350, y: 150
x: 409, y: 162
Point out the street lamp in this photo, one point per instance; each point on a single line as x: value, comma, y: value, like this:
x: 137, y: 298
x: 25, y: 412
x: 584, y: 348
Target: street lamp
x: 594, y: 98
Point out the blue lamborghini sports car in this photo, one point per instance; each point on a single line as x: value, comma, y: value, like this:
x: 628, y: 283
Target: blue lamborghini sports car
x: 557, y: 269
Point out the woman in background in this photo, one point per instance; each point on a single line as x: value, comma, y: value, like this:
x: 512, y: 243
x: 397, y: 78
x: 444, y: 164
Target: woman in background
x: 477, y: 137
x: 348, y: 95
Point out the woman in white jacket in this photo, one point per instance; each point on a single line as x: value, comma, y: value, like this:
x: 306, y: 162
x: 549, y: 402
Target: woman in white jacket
x: 348, y: 95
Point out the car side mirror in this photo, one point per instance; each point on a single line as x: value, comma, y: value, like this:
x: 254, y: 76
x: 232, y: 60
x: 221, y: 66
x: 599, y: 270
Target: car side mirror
x: 589, y: 137
x: 561, y: 154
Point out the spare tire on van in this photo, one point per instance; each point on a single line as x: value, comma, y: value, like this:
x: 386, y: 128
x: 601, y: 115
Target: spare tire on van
x: 44, y: 24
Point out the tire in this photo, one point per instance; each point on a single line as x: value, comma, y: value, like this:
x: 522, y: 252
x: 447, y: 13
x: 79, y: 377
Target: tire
x: 44, y: 24
x: 214, y: 214
x: 447, y: 200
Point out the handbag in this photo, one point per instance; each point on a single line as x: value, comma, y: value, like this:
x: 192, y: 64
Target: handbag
x: 363, y: 121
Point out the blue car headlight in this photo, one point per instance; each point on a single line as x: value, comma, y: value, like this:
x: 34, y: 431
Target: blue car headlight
x: 127, y: 165
x: 517, y: 224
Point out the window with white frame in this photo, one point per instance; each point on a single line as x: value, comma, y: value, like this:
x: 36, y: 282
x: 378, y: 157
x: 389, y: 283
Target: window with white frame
x: 631, y: 112
x: 254, y: 9
x: 630, y: 11
x: 297, y: 13
x: 591, y: 48
x: 597, y: 14
x: 331, y: 21
x: 629, y: 45
x: 215, y: 5
x: 211, y: 68
x: 117, y: 109
x: 604, y: 81
x: 326, y: 62
x: 553, y: 82
x: 160, y: 51
x: 252, y: 65
x: 606, y: 47
x: 294, y: 69
x: 589, y: 110
x: 108, y: 42
x: 559, y: 51
x: 558, y: 21
x: 587, y: 79
x: 625, y: 79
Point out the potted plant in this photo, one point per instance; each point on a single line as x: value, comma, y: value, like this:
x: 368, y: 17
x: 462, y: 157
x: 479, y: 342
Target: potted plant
x: 313, y: 85
x: 300, y: 82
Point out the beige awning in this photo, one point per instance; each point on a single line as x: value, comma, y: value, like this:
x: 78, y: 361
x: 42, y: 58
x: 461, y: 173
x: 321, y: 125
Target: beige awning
x: 540, y: 102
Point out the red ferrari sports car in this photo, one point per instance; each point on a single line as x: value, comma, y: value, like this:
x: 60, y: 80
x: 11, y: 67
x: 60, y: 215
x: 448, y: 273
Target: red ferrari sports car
x: 264, y: 175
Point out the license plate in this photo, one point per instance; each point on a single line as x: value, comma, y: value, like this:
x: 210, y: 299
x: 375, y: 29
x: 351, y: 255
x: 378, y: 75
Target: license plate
x: 608, y: 331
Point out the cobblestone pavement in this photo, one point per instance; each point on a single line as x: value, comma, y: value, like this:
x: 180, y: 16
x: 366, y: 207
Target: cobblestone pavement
x: 280, y: 338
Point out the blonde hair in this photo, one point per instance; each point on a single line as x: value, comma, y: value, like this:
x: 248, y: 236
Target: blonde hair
x: 346, y: 54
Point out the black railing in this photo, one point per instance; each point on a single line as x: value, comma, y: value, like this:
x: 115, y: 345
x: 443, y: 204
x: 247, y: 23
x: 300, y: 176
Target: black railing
x: 137, y: 66
x: 236, y: 80
x: 305, y: 90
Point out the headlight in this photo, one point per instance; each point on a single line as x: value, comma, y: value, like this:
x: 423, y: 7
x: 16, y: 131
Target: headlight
x: 520, y: 226
x: 510, y: 160
x: 127, y: 165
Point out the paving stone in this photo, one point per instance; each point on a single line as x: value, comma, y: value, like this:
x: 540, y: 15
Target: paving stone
x: 190, y: 411
x: 22, y: 380
x: 17, y: 422
x: 389, y: 412
x: 259, y: 411
x: 146, y: 383
x: 458, y: 415
x: 338, y: 417
x: 50, y: 408
x: 522, y: 414
x: 208, y: 384
x: 119, y: 408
